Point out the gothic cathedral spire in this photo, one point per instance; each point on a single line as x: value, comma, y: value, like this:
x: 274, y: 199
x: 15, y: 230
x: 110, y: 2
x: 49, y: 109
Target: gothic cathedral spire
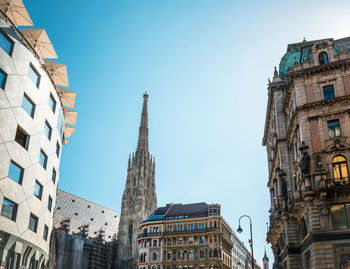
x: 139, y: 197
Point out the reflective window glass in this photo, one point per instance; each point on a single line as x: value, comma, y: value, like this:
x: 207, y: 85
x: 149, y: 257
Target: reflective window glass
x: 5, y: 43
x: 334, y: 128
x: 47, y: 130
x: 9, y: 209
x: 34, y: 76
x: 22, y: 138
x: 52, y: 103
x: 15, y: 172
x: 3, y: 77
x: 38, y: 190
x: 33, y: 223
x: 49, y: 203
x: 46, y: 232
x: 28, y: 106
x: 53, y: 177
x: 43, y: 159
x: 328, y: 92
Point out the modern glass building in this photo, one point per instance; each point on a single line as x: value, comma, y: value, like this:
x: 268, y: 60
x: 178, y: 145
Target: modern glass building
x: 34, y: 124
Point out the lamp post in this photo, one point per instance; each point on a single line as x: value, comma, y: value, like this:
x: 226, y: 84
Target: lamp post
x: 239, y: 230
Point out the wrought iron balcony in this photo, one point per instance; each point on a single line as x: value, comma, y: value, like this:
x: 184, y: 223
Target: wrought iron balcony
x: 192, y: 231
x: 337, y: 182
x: 150, y: 234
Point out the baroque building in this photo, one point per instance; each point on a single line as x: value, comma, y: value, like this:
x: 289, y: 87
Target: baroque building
x: 185, y: 236
x: 34, y: 123
x: 139, y: 197
x: 307, y: 137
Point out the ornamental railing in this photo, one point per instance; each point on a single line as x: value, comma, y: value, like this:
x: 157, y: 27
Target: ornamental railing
x: 192, y: 231
x: 335, y: 182
x: 150, y: 234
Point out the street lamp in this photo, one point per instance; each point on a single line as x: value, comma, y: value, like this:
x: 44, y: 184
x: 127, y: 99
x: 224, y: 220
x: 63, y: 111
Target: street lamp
x: 239, y: 230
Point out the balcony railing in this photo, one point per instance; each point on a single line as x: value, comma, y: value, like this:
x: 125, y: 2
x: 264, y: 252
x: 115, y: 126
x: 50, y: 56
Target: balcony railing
x: 192, y: 231
x: 337, y: 182
x: 150, y: 234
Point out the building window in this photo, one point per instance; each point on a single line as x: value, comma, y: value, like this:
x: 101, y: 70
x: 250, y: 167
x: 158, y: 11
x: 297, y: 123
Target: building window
x: 328, y: 92
x: 201, y: 240
x: 58, y: 149
x: 340, y: 216
x: 49, y: 203
x: 323, y: 58
x: 22, y: 138
x: 38, y: 190
x: 47, y: 130
x: 9, y: 209
x: 5, y: 43
x: 154, y: 256
x: 340, y: 169
x: 52, y: 103
x: 190, y: 254
x: 43, y: 159
x: 28, y: 106
x: 16, y: 172
x: 3, y: 77
x: 169, y: 242
x: 180, y: 255
x: 154, y: 243
x: 334, y: 128
x: 34, y: 75
x: 169, y: 255
x: 180, y: 241
x: 201, y: 254
x: 53, y: 177
x: 33, y: 223
x: 46, y: 232
x: 190, y: 240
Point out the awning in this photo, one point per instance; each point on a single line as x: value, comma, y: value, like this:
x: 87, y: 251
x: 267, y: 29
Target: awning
x: 16, y: 11
x: 70, y: 115
x: 68, y: 130
x: 58, y: 73
x: 41, y: 43
x: 67, y: 97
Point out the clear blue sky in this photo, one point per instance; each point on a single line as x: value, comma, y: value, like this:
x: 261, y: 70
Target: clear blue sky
x: 206, y: 65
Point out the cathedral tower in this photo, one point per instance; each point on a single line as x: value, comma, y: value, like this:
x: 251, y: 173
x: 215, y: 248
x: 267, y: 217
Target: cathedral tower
x: 139, y: 197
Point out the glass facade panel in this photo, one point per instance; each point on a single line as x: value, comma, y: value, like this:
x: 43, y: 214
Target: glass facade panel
x: 34, y: 76
x: 48, y: 130
x: 46, y: 232
x: 53, y: 177
x: 22, y: 138
x: 33, y: 223
x: 5, y: 44
x: 38, y: 190
x: 15, y: 172
x: 328, y: 92
x: 43, y: 159
x: 9, y: 209
x: 52, y: 103
x: 28, y: 106
x: 2, y: 79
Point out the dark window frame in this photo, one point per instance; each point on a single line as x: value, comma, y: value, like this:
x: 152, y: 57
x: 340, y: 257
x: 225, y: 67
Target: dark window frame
x: 58, y: 149
x: 46, y: 232
x: 44, y: 165
x: 19, y: 181
x: 322, y: 59
x: 54, y: 175
x: 328, y: 92
x: 49, y: 203
x: 37, y: 83
x: 40, y: 194
x: 36, y: 219
x: 54, y: 103
x: 14, y: 212
x: 32, y: 113
x: 3, y: 82
x: 20, y: 130
x: 10, y: 41
x: 49, y: 134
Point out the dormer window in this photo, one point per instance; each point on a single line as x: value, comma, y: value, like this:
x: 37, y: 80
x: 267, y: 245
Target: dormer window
x: 323, y: 58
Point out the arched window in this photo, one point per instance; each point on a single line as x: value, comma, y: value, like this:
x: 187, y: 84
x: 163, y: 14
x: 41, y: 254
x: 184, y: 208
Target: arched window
x: 180, y: 255
x: 340, y: 169
x: 154, y: 256
x: 201, y: 254
x: 215, y: 253
x: 323, y: 58
x: 190, y: 254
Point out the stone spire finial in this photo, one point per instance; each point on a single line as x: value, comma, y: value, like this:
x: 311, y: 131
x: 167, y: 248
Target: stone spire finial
x: 142, y: 143
x: 275, y: 73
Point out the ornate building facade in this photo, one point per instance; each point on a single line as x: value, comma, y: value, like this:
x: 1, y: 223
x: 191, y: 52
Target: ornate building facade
x: 33, y: 113
x: 185, y: 236
x: 139, y: 197
x: 307, y: 137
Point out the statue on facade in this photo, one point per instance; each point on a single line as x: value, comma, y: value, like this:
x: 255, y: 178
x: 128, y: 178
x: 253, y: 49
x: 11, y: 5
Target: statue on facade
x: 305, y: 163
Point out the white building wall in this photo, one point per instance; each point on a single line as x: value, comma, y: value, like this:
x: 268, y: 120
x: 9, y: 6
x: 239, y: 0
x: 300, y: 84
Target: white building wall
x: 15, y: 235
